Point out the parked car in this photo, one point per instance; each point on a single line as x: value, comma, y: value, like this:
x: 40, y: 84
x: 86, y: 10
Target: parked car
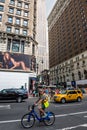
x: 13, y: 94
x: 68, y: 95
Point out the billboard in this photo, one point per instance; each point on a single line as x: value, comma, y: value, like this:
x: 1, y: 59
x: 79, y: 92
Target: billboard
x: 13, y: 61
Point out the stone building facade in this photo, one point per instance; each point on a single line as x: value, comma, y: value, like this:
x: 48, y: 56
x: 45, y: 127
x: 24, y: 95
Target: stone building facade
x: 18, y: 26
x: 41, y: 37
x: 18, y: 20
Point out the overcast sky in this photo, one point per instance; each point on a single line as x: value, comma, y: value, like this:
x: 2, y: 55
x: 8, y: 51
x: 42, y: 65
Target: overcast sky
x: 49, y: 5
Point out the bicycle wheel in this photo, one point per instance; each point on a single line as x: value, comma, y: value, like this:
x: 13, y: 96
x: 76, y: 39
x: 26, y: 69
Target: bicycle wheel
x: 27, y: 120
x: 50, y: 119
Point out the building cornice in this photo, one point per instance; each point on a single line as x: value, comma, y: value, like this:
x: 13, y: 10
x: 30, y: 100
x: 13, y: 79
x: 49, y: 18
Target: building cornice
x: 28, y: 39
x: 56, y: 12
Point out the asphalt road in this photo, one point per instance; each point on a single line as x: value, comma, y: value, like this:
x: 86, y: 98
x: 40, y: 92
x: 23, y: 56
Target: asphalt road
x: 69, y: 116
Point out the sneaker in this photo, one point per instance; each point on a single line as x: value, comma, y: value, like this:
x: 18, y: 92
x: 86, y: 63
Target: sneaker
x: 45, y: 115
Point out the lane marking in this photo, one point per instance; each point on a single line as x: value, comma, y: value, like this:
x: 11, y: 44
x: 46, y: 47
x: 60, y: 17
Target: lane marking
x: 71, y: 114
x: 73, y: 127
x: 63, y: 115
x: 85, y: 116
x: 10, y: 121
x: 67, y: 105
x: 5, y: 106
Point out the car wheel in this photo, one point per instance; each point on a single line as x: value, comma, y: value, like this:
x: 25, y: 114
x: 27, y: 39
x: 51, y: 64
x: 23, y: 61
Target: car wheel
x: 63, y: 100
x: 19, y: 99
x: 79, y: 99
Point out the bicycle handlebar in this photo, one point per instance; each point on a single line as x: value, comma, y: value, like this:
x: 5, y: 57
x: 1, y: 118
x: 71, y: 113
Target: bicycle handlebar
x: 31, y: 107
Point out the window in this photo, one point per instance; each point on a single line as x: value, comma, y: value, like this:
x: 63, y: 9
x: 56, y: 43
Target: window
x: 10, y: 19
x: 15, y: 45
x: 25, y: 32
x: 79, y: 91
x: 17, y: 31
x: 9, y: 29
x: 17, y: 21
x: 72, y: 92
x: 22, y: 46
x: 26, y: 14
x: 1, y: 8
x: 0, y: 17
x: 9, y: 45
x: 19, y: 4
x: 83, y: 62
x: 34, y: 35
x: 33, y: 49
x: 25, y: 23
x: 77, y: 58
x: 79, y: 75
x: 12, y: 2
x: 3, y: 1
x: 71, y: 61
x: 18, y: 12
x: 26, y: 5
x: 11, y: 10
x: 82, y: 55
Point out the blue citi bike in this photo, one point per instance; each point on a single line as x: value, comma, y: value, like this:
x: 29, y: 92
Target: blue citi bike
x: 28, y: 120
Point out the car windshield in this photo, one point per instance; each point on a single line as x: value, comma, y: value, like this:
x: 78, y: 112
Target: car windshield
x: 63, y: 92
x: 22, y: 90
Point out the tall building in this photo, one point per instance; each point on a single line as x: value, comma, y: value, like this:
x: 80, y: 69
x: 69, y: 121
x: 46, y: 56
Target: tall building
x: 18, y: 26
x: 41, y: 37
x: 18, y: 45
x: 67, y: 29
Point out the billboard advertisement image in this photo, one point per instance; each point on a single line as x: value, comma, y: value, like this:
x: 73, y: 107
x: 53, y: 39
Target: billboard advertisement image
x: 17, y: 61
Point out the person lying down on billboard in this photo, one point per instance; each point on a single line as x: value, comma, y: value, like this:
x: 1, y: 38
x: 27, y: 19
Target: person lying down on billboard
x: 10, y: 62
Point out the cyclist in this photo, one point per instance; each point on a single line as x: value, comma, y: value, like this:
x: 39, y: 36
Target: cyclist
x: 42, y: 103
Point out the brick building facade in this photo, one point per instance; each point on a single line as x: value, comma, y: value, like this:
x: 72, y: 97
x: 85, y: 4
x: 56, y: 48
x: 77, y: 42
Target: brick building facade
x: 67, y: 29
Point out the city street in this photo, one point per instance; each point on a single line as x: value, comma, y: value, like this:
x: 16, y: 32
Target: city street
x: 43, y: 50
x: 68, y: 116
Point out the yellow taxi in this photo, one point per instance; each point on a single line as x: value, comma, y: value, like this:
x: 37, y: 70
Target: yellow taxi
x: 68, y: 95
